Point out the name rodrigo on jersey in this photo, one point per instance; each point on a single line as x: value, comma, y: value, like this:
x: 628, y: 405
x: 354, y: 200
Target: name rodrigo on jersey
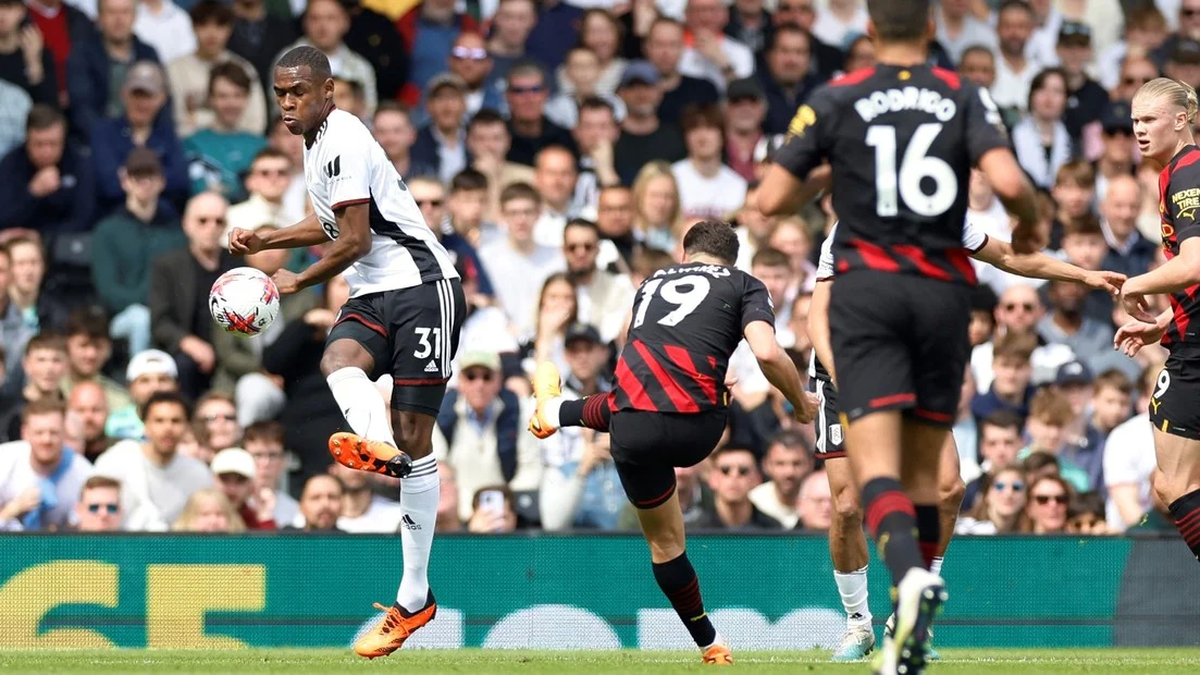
x: 909, y: 98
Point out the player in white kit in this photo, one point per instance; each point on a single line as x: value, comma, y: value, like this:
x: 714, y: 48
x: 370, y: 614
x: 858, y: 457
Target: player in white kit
x: 403, y: 317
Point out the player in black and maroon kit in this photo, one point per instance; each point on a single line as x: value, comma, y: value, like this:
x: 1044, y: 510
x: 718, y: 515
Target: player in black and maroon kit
x: 668, y: 407
x: 1163, y: 113
x: 900, y: 139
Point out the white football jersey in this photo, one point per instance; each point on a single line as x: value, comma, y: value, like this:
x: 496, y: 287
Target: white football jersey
x: 346, y: 166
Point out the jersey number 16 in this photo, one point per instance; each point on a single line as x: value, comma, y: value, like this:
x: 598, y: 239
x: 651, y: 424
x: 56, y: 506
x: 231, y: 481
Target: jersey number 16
x: 917, y: 165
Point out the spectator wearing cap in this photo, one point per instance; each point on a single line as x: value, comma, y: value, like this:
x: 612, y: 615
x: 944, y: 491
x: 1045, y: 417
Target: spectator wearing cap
x: 430, y: 29
x: 582, y: 73
x: 235, y: 470
x: 478, y: 432
x: 442, y: 142
x: 1086, y: 99
x: 125, y: 243
x: 88, y: 350
x: 788, y: 80
x: 189, y: 74
x: 156, y: 480
x: 1083, y: 436
x: 46, y: 184
x: 99, y: 506
x: 707, y: 187
x: 1068, y: 324
x: 958, y: 29
x: 325, y: 25
x: 258, y: 36
x: 97, y: 68
x: 787, y: 463
x: 143, y: 124
x: 645, y: 137
x: 363, y: 511
x: 526, y: 95
x: 1128, y: 251
x: 744, y: 114
x: 603, y: 296
x: 87, y: 410
x: 149, y: 372
x: 711, y: 54
x: 1183, y: 63
x: 165, y: 27
x: 1118, y: 149
x: 179, y: 285
x: 663, y: 48
x: 267, y: 182
x: 1014, y: 70
x: 42, y: 479
x: 24, y: 60
x: 220, y: 153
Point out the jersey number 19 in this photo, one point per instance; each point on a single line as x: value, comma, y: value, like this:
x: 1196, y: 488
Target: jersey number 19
x: 685, y: 293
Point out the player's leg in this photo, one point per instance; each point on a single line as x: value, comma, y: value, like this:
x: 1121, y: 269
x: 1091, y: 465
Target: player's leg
x: 357, y: 342
x: 848, y: 549
x: 553, y: 411
x: 951, y: 490
x: 1178, y: 483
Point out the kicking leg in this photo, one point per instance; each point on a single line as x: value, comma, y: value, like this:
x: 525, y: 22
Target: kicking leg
x: 848, y: 549
x: 553, y: 411
x: 345, y: 365
x: 1178, y: 483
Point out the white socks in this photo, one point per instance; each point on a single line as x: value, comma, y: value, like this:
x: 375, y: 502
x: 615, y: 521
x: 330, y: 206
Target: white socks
x: 936, y: 566
x: 419, y: 503
x: 551, y: 411
x: 361, y: 404
x: 853, y: 588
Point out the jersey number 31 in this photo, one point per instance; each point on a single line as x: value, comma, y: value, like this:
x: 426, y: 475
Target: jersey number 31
x: 917, y: 166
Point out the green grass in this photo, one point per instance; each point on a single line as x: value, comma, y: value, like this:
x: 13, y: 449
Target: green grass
x: 480, y: 662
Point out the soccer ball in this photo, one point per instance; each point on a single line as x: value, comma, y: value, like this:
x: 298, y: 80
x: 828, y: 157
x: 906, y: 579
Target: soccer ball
x: 244, y: 301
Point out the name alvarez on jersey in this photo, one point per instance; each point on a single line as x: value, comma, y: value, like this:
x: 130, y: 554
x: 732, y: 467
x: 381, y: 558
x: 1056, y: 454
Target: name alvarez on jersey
x: 346, y: 166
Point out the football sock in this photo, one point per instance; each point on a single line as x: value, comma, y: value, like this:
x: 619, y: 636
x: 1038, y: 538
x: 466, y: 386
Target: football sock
x: 590, y: 411
x: 679, y: 583
x: 853, y: 588
x: 929, y: 531
x: 936, y: 565
x: 1185, y: 511
x: 892, y: 521
x: 361, y: 404
x: 418, y: 504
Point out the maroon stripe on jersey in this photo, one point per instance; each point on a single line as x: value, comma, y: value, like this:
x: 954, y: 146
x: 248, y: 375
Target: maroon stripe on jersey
x: 950, y: 77
x: 917, y: 256
x: 875, y: 257
x: 628, y: 383
x: 961, y: 259
x: 358, y: 317
x: 680, y: 357
x: 853, y: 78
x: 349, y: 202
x: 679, y: 398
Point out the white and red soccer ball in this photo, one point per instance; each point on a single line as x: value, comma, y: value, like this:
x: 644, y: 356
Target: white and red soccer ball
x: 244, y: 301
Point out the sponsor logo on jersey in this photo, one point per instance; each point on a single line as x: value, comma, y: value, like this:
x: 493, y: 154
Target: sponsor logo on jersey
x: 431, y: 367
x: 334, y: 168
x: 805, y: 118
x: 1186, y: 202
x: 835, y: 434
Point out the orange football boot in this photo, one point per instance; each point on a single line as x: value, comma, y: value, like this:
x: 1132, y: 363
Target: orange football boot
x: 356, y: 452
x: 393, y: 629
x: 718, y: 655
x: 546, y: 385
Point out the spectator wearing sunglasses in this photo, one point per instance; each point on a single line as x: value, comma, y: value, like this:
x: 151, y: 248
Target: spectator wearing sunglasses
x: 99, y: 506
x: 479, y: 435
x: 733, y: 472
x: 179, y: 285
x: 470, y: 60
x: 267, y: 182
x: 998, y: 511
x: 604, y: 296
x: 526, y: 94
x: 42, y: 478
x: 1046, y: 509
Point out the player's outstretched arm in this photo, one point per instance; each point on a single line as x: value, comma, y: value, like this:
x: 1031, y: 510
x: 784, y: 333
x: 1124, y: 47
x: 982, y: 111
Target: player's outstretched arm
x: 307, y: 232
x: 781, y: 193
x: 353, y: 242
x: 1000, y: 254
x: 818, y: 326
x: 779, y: 369
x: 1178, y: 273
x: 1016, y: 193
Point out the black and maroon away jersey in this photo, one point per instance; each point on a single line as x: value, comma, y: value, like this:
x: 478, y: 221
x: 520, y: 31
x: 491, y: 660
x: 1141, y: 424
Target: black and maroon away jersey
x: 1179, y: 201
x: 687, y: 320
x: 902, y: 141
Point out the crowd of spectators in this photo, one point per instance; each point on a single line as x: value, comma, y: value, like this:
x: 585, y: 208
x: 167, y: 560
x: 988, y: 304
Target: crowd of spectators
x: 559, y: 150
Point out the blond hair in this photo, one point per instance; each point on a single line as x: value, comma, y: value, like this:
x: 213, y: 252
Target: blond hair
x: 1179, y: 94
x: 191, y: 511
x: 652, y: 170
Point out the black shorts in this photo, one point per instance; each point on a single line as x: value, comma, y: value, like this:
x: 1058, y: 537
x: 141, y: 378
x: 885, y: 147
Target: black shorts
x: 412, y: 335
x: 900, y: 343
x: 647, y: 446
x: 830, y: 443
x: 1175, y: 402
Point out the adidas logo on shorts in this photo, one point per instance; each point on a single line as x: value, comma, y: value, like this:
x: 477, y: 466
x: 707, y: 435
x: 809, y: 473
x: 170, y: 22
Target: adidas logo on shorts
x: 432, y: 367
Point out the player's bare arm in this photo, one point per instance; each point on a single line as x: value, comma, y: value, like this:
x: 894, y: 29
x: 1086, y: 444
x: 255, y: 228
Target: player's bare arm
x: 1016, y: 193
x: 1000, y: 254
x: 818, y: 326
x: 353, y: 242
x: 781, y: 193
x: 777, y: 366
x: 1173, y: 276
x: 305, y: 233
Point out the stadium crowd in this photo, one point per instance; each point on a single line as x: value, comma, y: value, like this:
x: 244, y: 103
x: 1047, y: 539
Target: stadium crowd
x: 559, y: 150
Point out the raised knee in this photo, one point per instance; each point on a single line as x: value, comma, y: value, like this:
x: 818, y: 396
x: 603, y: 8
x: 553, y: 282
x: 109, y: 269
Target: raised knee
x: 846, y: 506
x: 951, y: 494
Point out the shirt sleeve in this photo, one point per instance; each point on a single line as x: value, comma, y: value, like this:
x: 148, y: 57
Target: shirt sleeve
x: 756, y: 303
x: 347, y: 166
x: 973, y: 238
x: 825, y: 269
x: 985, y: 126
x: 1184, y: 201
x: 807, y: 141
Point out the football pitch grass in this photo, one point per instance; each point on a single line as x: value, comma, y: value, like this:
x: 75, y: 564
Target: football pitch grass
x: 503, y: 662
